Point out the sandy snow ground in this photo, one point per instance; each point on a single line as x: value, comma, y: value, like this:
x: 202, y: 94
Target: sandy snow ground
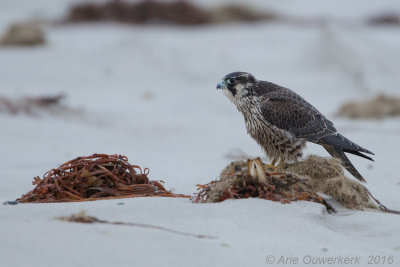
x: 148, y: 92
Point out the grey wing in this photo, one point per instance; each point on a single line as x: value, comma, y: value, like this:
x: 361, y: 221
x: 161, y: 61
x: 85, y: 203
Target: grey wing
x: 288, y: 111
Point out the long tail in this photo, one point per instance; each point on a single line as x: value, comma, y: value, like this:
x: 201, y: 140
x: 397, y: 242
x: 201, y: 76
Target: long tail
x: 337, y: 144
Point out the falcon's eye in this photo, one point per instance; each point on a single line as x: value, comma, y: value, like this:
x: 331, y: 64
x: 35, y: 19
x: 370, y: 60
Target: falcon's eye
x: 231, y: 80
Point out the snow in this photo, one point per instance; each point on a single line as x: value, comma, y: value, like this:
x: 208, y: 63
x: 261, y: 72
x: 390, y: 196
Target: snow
x: 148, y: 92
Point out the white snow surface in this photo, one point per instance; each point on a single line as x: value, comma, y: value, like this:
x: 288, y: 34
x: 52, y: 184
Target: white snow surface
x: 148, y: 92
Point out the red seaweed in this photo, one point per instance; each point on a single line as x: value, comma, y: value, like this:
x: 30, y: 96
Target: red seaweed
x: 99, y: 176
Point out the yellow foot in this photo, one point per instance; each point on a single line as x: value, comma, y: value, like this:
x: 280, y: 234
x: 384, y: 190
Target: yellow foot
x: 271, y: 165
x: 274, y: 167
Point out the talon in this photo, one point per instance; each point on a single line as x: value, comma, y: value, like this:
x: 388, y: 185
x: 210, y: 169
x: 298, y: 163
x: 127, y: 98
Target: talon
x: 274, y: 167
x: 271, y: 165
x: 281, y: 161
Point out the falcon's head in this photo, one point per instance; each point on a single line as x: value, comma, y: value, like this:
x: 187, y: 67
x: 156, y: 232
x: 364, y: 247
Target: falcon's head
x: 238, y: 85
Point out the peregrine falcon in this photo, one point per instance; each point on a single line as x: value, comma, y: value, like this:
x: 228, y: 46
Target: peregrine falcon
x: 282, y: 122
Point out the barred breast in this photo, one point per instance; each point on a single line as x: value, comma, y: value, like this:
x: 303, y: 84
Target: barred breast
x: 275, y: 142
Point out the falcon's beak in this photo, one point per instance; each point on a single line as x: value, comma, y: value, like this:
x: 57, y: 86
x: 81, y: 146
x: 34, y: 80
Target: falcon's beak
x: 221, y: 85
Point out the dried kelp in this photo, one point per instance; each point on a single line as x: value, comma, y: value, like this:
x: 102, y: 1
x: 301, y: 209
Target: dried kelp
x: 23, y: 34
x: 235, y: 12
x: 171, y: 12
x: 179, y: 12
x: 385, y: 19
x: 95, y: 177
x: 382, y: 106
x: 35, y: 106
x: 82, y: 217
